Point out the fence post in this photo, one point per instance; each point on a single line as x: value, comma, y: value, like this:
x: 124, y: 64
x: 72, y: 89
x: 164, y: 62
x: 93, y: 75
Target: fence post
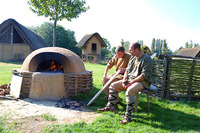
x: 191, y: 77
x: 166, y: 91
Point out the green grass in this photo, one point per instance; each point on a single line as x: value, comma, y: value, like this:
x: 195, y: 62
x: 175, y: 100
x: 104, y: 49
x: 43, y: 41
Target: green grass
x: 6, y: 71
x: 48, y: 117
x: 164, y: 116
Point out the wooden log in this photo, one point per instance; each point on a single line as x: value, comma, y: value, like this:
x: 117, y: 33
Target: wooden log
x: 9, y: 98
x: 101, y: 90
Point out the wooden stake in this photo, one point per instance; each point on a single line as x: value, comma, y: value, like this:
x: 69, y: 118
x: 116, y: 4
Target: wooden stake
x: 106, y: 85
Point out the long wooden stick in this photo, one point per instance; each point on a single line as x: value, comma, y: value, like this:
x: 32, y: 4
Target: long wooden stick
x: 106, y: 85
x: 6, y: 97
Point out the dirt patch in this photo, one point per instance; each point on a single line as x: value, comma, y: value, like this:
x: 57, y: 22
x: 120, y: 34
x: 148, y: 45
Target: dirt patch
x: 26, y: 114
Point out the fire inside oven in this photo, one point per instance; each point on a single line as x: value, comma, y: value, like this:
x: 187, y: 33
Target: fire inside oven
x: 50, y: 66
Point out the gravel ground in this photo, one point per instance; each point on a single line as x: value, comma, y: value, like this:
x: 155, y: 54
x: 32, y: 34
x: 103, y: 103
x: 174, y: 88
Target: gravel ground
x: 27, y: 114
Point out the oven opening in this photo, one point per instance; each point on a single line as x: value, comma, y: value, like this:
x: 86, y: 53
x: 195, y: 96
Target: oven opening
x: 50, y: 66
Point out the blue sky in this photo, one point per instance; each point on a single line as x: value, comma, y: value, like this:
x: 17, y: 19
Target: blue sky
x: 177, y: 21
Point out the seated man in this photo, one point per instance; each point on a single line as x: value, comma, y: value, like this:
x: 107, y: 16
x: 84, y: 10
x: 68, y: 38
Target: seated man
x: 120, y: 60
x: 138, y: 76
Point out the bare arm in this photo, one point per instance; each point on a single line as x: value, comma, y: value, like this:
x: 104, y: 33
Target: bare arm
x: 105, y: 73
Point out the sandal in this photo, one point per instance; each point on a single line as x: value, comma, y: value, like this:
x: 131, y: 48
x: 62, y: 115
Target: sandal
x: 104, y: 109
x: 126, y: 120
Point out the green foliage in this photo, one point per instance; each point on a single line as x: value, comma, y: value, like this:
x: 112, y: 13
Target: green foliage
x: 146, y: 50
x: 45, y: 31
x: 58, y: 10
x: 140, y: 42
x: 153, y: 45
x: 177, y: 51
x: 160, y: 46
x: 126, y: 45
x: 65, y: 38
x: 191, y: 45
x: 186, y: 45
x: 105, y: 52
x: 107, y: 43
x: 165, y: 49
x: 113, y: 50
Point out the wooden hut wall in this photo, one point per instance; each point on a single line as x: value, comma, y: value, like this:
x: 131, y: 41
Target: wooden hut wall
x: 84, y: 49
x: 19, y: 52
x: 98, y: 46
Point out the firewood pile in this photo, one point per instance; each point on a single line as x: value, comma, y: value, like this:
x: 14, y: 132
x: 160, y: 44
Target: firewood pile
x: 5, y: 89
x: 69, y: 104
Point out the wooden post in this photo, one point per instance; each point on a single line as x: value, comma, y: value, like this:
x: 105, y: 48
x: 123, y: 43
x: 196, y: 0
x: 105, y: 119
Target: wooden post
x: 166, y: 91
x: 11, y: 41
x: 190, y: 77
x: 100, y: 54
x: 86, y: 53
x: 1, y: 52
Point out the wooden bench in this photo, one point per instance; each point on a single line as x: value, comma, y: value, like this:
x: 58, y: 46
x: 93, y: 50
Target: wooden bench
x: 146, y: 91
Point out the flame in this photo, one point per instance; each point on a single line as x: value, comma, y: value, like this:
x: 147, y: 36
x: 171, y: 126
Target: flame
x: 54, y: 68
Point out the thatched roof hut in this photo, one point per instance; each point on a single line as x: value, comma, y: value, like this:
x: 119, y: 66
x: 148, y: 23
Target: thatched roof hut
x: 192, y: 52
x: 91, y: 47
x: 16, y: 41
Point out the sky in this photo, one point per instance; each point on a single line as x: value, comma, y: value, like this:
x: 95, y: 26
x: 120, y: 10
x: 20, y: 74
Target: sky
x: 177, y: 21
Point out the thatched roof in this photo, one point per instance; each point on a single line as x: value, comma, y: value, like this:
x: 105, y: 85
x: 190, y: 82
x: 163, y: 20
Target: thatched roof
x: 87, y: 37
x: 21, y: 34
x: 192, y: 52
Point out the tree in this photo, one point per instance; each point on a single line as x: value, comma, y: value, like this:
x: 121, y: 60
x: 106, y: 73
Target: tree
x: 178, y: 50
x: 122, y: 42
x: 107, y: 43
x: 126, y: 45
x: 140, y: 42
x: 164, y: 47
x: 186, y: 45
x: 45, y: 31
x: 153, y: 45
x: 65, y: 38
x: 58, y: 10
x: 196, y: 45
x: 146, y: 50
x: 191, y: 44
x: 113, y: 50
x: 106, y: 50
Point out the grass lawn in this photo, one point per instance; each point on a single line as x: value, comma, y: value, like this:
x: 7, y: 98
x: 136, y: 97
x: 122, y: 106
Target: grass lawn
x: 164, y: 115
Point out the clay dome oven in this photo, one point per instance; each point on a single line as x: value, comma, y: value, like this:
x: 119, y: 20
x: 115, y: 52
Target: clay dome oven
x: 71, y: 63
x: 39, y: 81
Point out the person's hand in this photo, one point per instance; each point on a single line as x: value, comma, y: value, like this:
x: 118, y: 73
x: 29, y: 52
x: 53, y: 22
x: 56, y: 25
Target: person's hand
x: 125, y: 83
x: 104, y: 77
x: 122, y: 70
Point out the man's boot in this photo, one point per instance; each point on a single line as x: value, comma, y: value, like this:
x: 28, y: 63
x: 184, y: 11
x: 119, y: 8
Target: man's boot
x: 130, y: 101
x: 112, y: 101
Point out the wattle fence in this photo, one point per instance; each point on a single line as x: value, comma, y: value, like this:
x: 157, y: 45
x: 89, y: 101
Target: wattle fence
x: 177, y: 77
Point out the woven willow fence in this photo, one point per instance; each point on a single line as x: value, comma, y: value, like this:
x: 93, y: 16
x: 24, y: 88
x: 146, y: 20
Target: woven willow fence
x: 177, y: 76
